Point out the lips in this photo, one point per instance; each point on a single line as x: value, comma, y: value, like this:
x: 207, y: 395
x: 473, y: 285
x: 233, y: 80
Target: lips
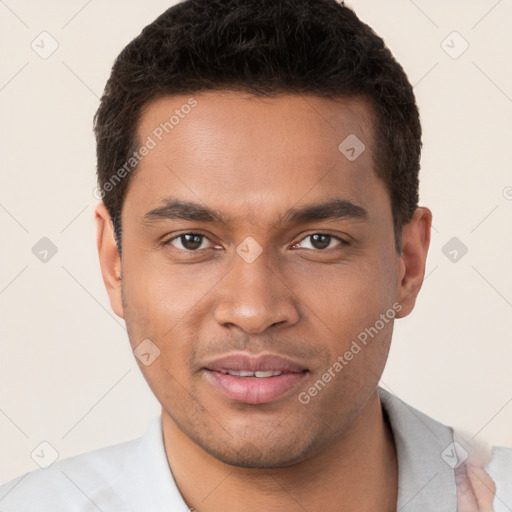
x: 253, y: 379
x: 252, y: 363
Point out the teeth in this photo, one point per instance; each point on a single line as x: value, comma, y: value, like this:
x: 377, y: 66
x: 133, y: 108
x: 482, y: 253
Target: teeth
x: 259, y: 374
x: 269, y: 373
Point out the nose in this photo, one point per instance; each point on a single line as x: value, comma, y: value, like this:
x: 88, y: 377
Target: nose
x: 254, y: 297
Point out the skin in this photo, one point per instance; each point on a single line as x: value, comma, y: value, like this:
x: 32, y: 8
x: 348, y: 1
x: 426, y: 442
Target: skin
x: 253, y: 159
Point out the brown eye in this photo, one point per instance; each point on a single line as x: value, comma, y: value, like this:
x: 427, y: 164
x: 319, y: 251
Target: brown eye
x: 188, y: 241
x: 320, y: 241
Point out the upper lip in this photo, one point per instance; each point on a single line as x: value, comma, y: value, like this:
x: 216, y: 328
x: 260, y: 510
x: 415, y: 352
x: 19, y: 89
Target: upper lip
x: 254, y: 363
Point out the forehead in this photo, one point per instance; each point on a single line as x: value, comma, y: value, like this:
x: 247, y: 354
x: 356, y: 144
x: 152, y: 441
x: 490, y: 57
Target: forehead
x: 255, y: 154
x: 306, y: 124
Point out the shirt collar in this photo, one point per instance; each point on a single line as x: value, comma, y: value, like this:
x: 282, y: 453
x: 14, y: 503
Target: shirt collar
x: 146, y: 482
x: 425, y: 481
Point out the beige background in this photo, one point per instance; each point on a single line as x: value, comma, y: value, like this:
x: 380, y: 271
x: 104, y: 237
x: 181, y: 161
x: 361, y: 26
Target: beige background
x: 67, y: 375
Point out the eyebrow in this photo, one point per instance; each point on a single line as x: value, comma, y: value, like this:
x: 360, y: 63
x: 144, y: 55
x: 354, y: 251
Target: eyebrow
x: 186, y: 210
x: 333, y: 209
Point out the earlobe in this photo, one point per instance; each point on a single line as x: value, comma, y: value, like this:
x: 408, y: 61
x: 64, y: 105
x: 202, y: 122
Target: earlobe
x: 110, y: 262
x: 412, y: 261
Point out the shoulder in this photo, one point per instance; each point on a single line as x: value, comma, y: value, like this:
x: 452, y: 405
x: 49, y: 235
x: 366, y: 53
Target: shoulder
x: 126, y: 477
x: 499, y: 469
x: 501, y: 461
x: 464, y: 470
x: 74, y: 482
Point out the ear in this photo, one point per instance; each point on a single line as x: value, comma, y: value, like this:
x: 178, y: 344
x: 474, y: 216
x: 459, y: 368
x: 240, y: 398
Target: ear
x: 110, y: 261
x: 412, y: 260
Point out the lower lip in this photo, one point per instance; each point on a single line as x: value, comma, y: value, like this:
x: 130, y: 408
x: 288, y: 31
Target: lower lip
x: 254, y: 390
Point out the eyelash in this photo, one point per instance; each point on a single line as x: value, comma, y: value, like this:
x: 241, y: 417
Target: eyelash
x: 341, y: 240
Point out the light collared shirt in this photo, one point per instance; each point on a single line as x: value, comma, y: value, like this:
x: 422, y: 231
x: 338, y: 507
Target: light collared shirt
x: 135, y: 476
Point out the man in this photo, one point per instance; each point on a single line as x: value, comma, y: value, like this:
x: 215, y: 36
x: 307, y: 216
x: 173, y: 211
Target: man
x: 259, y: 233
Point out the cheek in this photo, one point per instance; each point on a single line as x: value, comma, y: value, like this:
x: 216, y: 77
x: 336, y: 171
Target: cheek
x: 153, y: 316
x: 345, y: 307
x: 347, y: 297
x: 165, y: 305
x: 157, y: 295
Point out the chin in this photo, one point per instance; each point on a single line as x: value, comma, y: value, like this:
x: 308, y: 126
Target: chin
x: 250, y: 455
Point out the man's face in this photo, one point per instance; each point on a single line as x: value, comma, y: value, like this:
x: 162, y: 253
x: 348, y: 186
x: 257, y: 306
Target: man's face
x: 196, y: 287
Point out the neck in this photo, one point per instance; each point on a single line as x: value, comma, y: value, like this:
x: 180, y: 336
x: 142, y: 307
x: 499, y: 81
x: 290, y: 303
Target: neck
x: 359, y: 471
